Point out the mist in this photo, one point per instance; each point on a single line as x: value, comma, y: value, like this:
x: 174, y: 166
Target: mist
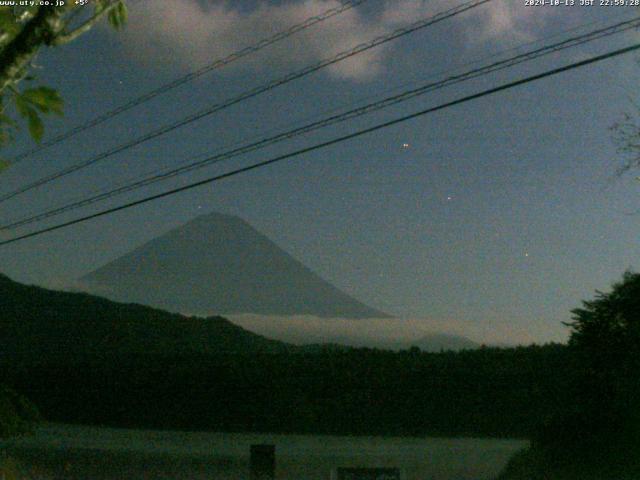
x: 379, y: 332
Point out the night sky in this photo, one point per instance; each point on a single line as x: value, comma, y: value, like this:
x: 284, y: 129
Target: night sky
x: 497, y: 216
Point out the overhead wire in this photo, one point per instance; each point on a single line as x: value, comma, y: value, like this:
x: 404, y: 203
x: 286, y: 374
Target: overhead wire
x: 345, y: 105
x: 348, y: 115
x: 413, y: 27
x: 334, y: 141
x: 219, y: 63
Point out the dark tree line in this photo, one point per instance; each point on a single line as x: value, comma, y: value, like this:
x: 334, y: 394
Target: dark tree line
x: 487, y: 392
x: 579, y: 403
x: 596, y: 434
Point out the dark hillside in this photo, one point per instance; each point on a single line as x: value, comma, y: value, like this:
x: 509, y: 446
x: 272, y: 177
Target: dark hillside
x: 35, y: 323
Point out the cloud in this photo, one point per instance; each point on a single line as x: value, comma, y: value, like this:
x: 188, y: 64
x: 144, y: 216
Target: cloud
x: 491, y: 21
x: 306, y: 329
x: 500, y: 19
x: 192, y: 33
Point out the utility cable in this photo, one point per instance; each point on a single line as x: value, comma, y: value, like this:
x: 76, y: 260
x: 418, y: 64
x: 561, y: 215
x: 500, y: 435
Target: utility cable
x: 357, y: 112
x: 219, y: 63
x: 250, y: 94
x: 333, y: 141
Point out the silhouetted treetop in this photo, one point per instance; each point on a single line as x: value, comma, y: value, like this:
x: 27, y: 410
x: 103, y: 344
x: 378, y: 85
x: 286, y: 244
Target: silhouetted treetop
x: 612, y: 320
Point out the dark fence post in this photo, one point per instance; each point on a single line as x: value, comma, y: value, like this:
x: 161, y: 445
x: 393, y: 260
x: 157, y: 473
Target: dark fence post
x: 263, y: 462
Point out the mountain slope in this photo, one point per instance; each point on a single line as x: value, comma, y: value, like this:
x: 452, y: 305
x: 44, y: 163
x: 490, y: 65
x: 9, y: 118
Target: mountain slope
x: 39, y: 322
x: 220, y: 264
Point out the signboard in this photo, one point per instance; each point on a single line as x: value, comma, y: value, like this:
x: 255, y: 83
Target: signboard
x: 366, y: 474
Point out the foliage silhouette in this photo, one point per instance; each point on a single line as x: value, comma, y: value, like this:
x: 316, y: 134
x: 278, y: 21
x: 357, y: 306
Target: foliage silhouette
x: 597, y: 434
x: 24, y: 31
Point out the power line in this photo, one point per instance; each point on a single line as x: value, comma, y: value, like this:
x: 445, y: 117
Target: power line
x: 251, y: 93
x: 369, y: 108
x: 219, y: 63
x: 334, y: 141
x: 318, y: 115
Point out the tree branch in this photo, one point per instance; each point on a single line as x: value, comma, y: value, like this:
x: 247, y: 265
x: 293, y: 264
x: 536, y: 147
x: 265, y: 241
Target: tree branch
x: 67, y: 37
x: 19, y: 52
x: 9, y: 34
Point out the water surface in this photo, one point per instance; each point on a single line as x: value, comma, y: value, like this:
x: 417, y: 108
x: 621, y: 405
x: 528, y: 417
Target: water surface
x: 62, y: 451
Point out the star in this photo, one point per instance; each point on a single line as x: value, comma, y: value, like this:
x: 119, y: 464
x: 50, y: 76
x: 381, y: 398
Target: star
x: 405, y: 145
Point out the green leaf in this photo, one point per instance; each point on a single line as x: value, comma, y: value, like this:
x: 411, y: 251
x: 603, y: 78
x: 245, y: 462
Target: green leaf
x: 44, y: 99
x: 8, y: 23
x: 36, y: 127
x: 4, y: 164
x: 118, y: 15
x: 22, y: 106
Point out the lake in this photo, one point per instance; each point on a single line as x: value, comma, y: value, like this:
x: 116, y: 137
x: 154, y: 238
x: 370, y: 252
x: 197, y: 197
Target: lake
x: 77, y: 452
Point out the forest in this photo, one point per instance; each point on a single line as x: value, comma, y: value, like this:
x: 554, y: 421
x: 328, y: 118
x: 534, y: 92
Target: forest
x: 486, y: 392
x: 578, y: 403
